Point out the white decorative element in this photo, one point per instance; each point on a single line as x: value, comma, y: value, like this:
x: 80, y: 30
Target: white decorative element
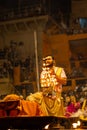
x: 48, y: 78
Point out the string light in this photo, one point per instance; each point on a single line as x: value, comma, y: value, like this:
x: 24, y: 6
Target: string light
x: 48, y: 78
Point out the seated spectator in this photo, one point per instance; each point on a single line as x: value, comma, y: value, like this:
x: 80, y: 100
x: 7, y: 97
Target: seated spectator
x: 72, y: 107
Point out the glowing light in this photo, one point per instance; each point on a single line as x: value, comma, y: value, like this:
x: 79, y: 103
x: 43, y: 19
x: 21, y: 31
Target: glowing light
x: 46, y: 127
x: 78, y: 123
x: 74, y: 125
x: 48, y: 78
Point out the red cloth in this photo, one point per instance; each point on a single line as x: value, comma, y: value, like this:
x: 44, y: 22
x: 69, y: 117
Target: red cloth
x: 2, y: 113
x: 14, y: 112
x: 72, y: 108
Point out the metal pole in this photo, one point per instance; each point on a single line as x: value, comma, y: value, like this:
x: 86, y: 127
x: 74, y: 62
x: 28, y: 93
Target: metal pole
x: 36, y: 58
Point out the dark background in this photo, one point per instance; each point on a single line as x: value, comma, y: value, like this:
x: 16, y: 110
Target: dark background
x: 52, y: 5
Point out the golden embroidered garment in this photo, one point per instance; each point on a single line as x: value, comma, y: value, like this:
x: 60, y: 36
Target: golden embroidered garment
x: 49, y: 106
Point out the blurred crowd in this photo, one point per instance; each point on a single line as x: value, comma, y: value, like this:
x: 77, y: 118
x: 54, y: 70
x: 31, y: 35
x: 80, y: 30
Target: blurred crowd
x: 74, y: 101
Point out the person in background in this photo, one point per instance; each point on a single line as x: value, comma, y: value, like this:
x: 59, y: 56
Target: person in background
x: 73, y: 107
